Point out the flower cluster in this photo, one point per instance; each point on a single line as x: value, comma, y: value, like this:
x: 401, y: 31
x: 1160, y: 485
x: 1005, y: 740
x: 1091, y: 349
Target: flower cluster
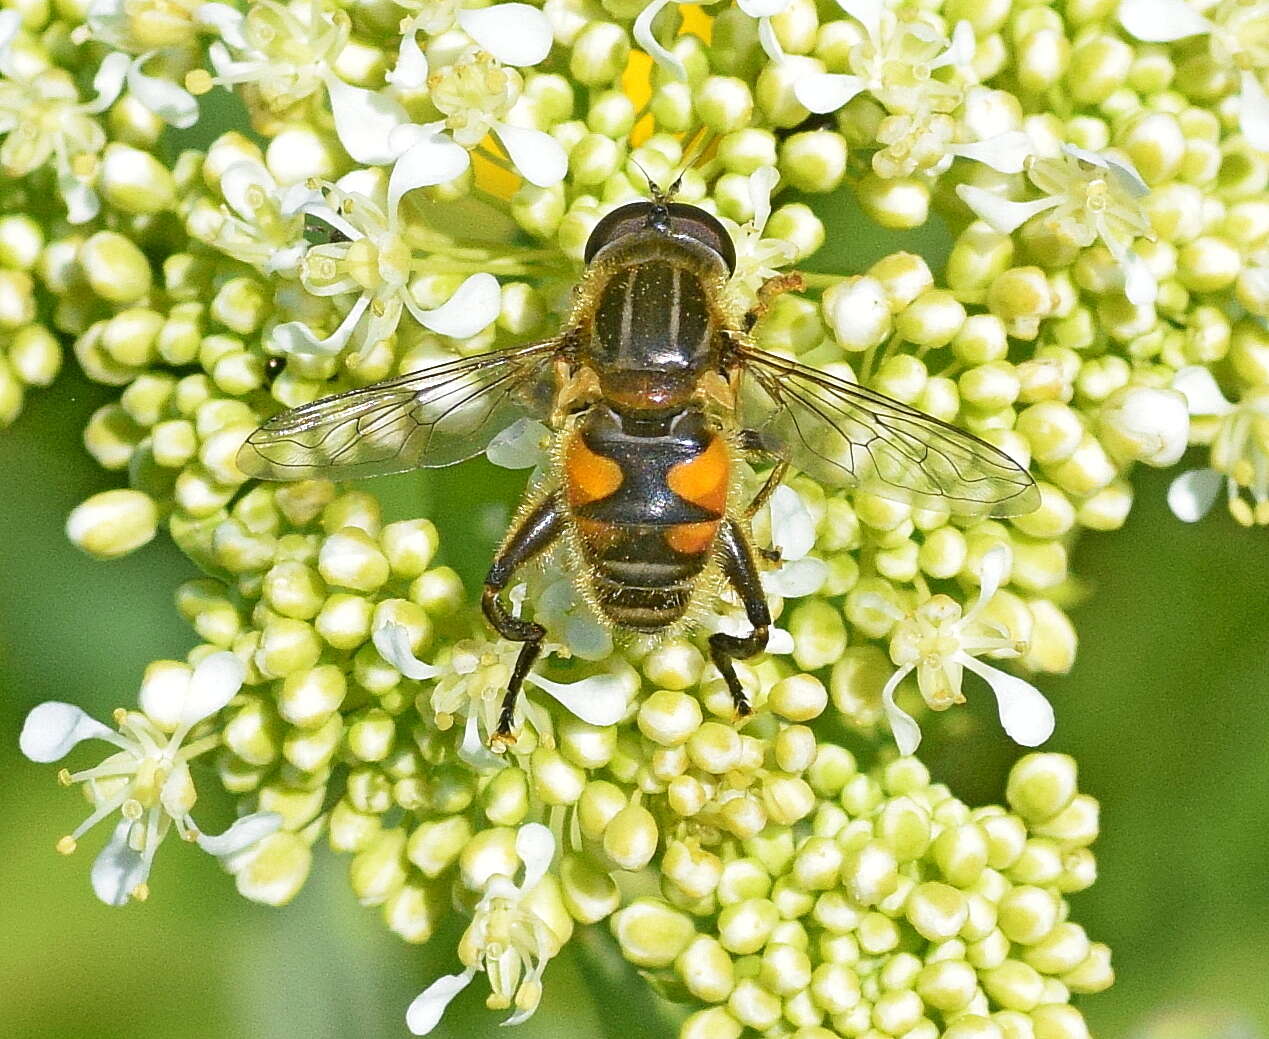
x: 413, y: 182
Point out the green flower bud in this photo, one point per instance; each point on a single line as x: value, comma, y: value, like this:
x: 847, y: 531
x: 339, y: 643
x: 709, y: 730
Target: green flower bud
x: 960, y: 852
x: 1013, y: 985
x: 932, y: 320
x: 1076, y: 824
x: 116, y: 269
x: 693, y: 870
x: 371, y: 736
x: 814, y: 161
x: 896, y: 203
x: 713, y: 1023
x: 135, y: 182
x: 113, y: 523
x: 743, y: 928
x: 351, y: 559
x: 598, y: 805
x: 686, y: 796
x: 275, y: 869
x: 587, y: 746
x: 973, y: 1026
x: 651, y: 933
x: 436, y: 844
x: 668, y: 717
x: 858, y: 311
x: 746, y: 149
x: 309, y: 697
x: 877, y: 934
x: 724, y: 104
x: 801, y: 697
x: 555, y: 780
x: 414, y: 912
x: 439, y: 591
x: 1208, y: 264
x: 753, y: 1006
x: 378, y: 871
x: 795, y: 748
x: 311, y: 750
x: 630, y: 838
x: 674, y: 665
x: 1094, y: 974
x: 1041, y: 786
x: 706, y: 969
x: 714, y: 747
x: 599, y: 54
x: 286, y: 645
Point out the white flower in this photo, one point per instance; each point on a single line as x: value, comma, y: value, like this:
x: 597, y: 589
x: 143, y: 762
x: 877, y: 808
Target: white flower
x: 926, y: 141
x: 507, y: 939
x: 525, y: 444
x: 1088, y: 196
x: 148, y: 29
x: 758, y: 258
x: 289, y: 54
x: 261, y: 223
x: 148, y: 781
x: 762, y: 10
x: 1239, y: 452
x: 1238, y: 34
x: 1146, y: 424
x: 471, y: 678
x: 939, y: 642
x: 515, y: 34
x: 43, y: 119
x: 895, y: 63
x: 374, y: 261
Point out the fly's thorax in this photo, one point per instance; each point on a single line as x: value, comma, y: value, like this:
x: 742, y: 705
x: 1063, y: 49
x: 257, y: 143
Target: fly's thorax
x: 651, y: 314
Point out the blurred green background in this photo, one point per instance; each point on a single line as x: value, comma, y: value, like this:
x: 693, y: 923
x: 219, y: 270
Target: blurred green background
x: 1165, y: 712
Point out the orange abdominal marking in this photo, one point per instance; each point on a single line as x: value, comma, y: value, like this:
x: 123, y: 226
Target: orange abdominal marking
x: 703, y: 480
x: 691, y: 539
x: 588, y: 476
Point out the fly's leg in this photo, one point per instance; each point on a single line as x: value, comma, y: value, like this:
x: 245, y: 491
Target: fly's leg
x: 537, y: 532
x: 752, y: 442
x: 742, y: 573
x: 772, y: 287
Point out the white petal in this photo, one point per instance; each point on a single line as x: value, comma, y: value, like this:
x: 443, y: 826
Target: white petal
x: 238, y: 180
x: 907, y: 734
x: 472, y: 308
x: 1191, y: 495
x: 539, y: 157
x: 425, y: 1012
x: 651, y: 45
x: 780, y: 642
x: 118, y: 869
x: 826, y: 91
x: 427, y: 158
x: 297, y: 338
x: 961, y: 49
x: 1201, y: 393
x: 1006, y: 152
x: 522, y: 445
x: 761, y: 183
x: 472, y: 750
x: 598, y: 700
x: 991, y: 571
x: 1161, y: 21
x: 1253, y: 112
x: 215, y: 681
x: 109, y: 81
x: 1141, y: 287
x: 392, y: 640
x: 866, y: 12
x: 762, y: 8
x: 364, y: 121
x: 535, y: 844
x: 175, y: 105
x: 294, y: 198
x: 243, y: 834
x: 792, y: 529
x: 515, y: 34
x: 797, y: 578
x: 410, y: 72
x: 1027, y: 717
x: 10, y: 23
x: 1124, y: 171
x: 53, y: 728
x: 225, y: 20
x: 82, y: 203
x: 1002, y: 214
x: 770, y: 41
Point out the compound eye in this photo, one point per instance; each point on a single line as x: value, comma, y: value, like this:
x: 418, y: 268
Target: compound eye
x: 623, y: 220
x: 695, y: 223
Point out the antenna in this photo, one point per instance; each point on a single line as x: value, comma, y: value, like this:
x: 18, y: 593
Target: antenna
x: 659, y: 215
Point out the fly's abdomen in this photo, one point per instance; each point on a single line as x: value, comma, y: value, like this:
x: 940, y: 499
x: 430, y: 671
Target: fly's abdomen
x: 646, y: 511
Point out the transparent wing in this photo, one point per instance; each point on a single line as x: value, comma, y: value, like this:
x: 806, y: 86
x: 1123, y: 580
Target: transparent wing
x: 429, y: 418
x: 847, y: 436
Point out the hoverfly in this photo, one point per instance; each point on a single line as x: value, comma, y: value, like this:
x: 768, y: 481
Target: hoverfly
x: 654, y: 391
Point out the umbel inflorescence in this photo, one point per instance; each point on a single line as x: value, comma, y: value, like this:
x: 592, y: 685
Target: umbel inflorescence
x: 415, y: 181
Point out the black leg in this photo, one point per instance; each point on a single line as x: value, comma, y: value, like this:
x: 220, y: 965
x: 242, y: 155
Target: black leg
x: 741, y: 571
x: 536, y: 533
